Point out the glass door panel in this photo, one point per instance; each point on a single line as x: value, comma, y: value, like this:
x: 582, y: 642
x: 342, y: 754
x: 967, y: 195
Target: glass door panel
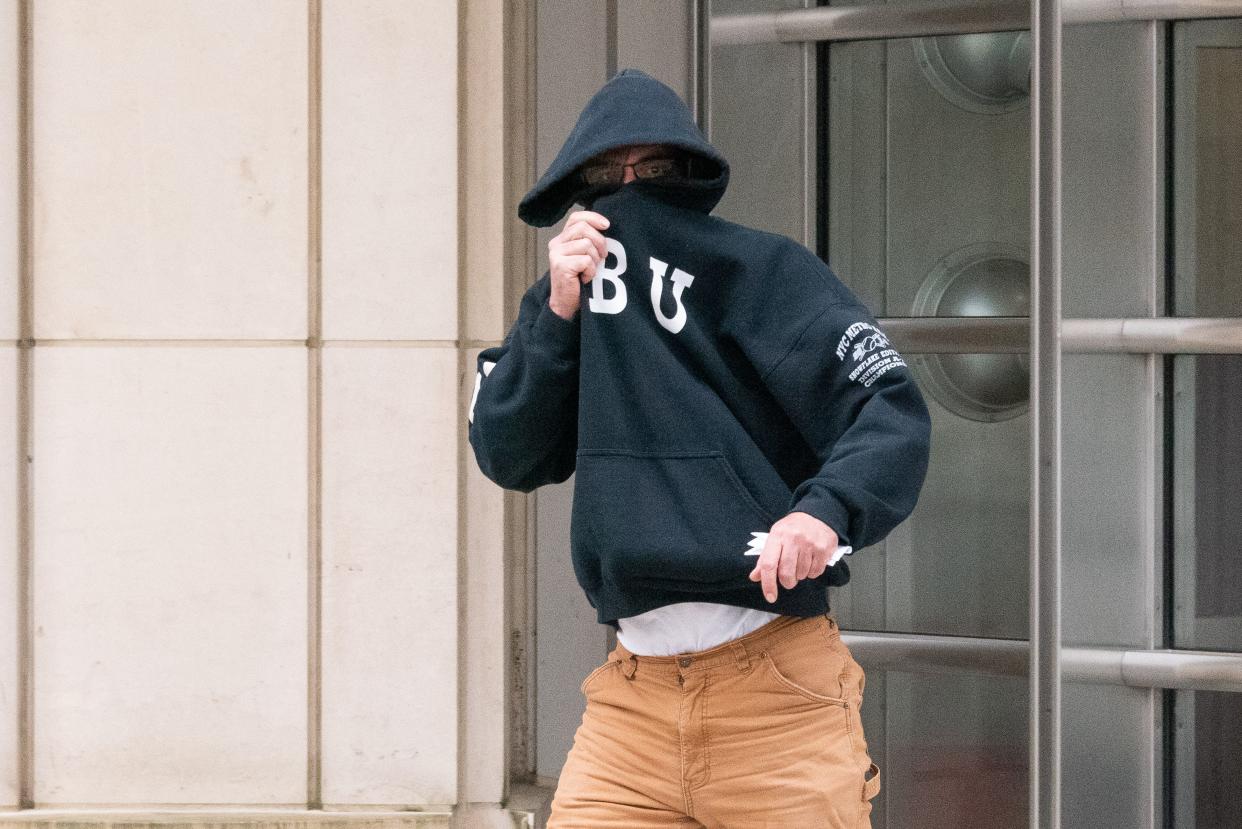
x: 926, y: 214
x: 1207, y: 413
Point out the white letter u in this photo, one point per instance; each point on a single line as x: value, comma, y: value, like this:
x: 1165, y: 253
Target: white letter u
x: 681, y: 281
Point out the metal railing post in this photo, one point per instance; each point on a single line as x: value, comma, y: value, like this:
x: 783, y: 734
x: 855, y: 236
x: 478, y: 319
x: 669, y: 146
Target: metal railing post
x: 1045, y: 332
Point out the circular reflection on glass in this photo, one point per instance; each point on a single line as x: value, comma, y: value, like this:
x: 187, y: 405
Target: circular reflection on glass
x: 987, y: 72
x: 977, y: 281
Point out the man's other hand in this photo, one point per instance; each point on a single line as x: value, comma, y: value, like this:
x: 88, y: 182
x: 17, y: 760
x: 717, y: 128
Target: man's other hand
x: 574, y: 254
x: 798, y: 547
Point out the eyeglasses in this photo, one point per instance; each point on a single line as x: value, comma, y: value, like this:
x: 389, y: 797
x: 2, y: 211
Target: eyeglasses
x: 648, y: 168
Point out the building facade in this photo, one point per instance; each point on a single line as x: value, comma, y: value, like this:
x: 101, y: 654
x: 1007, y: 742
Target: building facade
x: 254, y: 576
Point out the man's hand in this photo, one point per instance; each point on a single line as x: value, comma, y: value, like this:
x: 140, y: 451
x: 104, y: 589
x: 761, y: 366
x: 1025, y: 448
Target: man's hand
x: 798, y: 547
x: 573, y: 256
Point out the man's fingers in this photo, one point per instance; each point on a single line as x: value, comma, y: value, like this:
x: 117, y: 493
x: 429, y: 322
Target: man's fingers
x: 806, y: 560
x: 582, y: 230
x: 579, y: 231
x: 570, y: 267
x: 589, y: 216
x: 792, y: 554
x: 787, y: 570
x: 581, y: 264
x: 574, y: 233
x: 765, y: 568
x: 583, y: 246
x: 819, y: 563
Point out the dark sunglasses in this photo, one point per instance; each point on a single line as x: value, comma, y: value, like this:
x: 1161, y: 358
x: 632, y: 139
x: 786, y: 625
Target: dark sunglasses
x: 605, y: 173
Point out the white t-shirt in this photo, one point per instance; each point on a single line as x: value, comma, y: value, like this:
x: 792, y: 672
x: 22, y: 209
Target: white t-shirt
x: 683, y: 627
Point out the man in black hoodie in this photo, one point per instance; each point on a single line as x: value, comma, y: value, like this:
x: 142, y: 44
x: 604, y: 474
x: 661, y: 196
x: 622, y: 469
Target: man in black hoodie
x: 734, y: 418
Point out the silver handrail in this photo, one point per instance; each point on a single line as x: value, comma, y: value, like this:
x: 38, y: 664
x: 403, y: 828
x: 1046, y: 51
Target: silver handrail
x: 1044, y: 713
x: 921, y: 653
x: 945, y: 17
x: 1009, y: 335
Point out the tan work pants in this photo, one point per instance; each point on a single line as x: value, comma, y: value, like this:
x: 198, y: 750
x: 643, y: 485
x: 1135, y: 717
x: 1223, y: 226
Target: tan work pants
x: 762, y: 731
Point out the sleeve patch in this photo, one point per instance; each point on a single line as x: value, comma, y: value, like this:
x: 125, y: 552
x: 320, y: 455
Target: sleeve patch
x: 488, y: 365
x: 869, y: 352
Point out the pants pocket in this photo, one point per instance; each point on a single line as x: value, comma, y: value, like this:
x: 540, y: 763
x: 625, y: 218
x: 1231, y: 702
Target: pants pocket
x: 809, y: 667
x: 585, y: 685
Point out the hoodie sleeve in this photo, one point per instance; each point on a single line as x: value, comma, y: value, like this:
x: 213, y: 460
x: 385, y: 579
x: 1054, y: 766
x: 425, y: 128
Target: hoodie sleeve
x: 856, y: 404
x: 523, y: 419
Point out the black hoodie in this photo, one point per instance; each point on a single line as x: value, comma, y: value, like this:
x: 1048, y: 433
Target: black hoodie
x: 715, y: 379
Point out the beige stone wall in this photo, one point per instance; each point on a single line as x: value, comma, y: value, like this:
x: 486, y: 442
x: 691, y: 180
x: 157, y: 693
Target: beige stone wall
x: 248, y: 251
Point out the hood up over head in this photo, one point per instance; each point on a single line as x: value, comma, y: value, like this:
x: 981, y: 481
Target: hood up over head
x: 631, y: 108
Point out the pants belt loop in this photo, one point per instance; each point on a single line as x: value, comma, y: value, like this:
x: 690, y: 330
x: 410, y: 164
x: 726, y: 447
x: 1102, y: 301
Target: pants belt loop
x: 740, y: 656
x: 629, y: 665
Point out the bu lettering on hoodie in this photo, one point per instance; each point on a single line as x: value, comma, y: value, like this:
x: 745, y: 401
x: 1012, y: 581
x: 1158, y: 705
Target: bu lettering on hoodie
x: 715, y: 379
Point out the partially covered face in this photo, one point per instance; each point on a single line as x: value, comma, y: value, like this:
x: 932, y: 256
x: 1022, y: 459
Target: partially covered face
x: 624, y: 164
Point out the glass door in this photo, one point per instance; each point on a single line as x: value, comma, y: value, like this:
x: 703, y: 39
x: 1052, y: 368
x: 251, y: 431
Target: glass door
x: 926, y: 209
x: 1207, y: 412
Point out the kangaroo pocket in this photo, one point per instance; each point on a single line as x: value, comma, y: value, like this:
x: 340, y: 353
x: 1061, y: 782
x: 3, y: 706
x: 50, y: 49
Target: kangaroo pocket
x: 679, y: 519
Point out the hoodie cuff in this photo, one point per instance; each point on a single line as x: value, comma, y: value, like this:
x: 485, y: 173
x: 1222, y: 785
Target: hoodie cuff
x: 557, y: 336
x: 821, y: 504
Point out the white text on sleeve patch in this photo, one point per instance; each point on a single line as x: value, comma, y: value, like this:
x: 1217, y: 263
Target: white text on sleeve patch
x: 869, y: 352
